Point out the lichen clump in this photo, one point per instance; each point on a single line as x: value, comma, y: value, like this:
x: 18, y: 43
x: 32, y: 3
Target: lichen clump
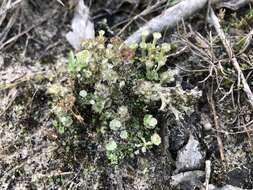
x: 120, y: 91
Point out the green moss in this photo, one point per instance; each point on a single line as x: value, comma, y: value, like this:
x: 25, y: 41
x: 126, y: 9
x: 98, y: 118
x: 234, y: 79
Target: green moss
x: 245, y: 21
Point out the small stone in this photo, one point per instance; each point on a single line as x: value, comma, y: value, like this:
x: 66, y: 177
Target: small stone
x: 122, y: 84
x: 1, y: 61
x: 190, y: 157
x: 207, y: 126
x: 187, y: 180
x: 226, y: 187
x: 24, y: 153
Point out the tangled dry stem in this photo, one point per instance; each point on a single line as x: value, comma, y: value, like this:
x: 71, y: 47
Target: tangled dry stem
x: 213, y: 19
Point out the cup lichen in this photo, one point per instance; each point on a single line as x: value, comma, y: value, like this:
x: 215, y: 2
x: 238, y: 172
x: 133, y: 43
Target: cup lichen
x: 120, y: 90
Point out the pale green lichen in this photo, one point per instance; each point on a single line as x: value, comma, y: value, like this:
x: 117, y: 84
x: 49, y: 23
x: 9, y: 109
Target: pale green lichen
x: 149, y: 121
x: 120, y: 90
x: 111, y: 146
x: 156, y: 139
x: 115, y: 125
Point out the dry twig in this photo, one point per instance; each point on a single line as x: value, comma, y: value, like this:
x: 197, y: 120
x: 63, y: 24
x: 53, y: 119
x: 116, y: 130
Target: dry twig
x: 216, y: 123
x: 208, y: 173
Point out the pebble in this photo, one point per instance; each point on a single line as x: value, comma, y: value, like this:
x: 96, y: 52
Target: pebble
x: 190, y: 157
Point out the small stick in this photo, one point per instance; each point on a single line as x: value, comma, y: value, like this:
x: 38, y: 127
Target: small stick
x: 216, y: 123
x: 213, y: 19
x: 208, y: 173
x: 59, y: 1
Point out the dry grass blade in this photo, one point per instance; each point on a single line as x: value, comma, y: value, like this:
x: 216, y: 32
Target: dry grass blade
x: 14, y: 9
x: 6, y: 6
x: 8, y: 27
x: 246, y: 41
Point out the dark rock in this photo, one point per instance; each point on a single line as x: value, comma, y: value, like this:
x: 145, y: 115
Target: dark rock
x: 241, y: 177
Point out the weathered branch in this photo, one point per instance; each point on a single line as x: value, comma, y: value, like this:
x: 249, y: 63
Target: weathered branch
x: 232, y: 4
x: 168, y: 18
x: 183, y: 10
